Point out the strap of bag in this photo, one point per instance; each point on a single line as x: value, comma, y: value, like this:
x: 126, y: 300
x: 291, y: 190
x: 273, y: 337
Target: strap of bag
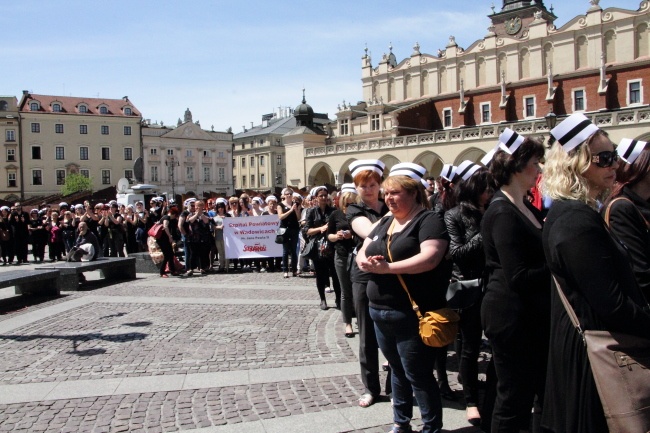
x: 569, y: 310
x: 399, y: 277
x: 609, y: 207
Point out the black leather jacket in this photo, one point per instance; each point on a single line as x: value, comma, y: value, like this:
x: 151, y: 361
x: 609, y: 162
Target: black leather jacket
x: 466, y: 242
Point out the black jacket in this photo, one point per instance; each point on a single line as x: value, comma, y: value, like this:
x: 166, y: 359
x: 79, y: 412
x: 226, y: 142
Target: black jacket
x: 466, y: 244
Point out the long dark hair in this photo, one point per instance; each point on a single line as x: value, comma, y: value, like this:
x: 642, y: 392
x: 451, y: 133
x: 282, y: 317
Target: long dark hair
x: 468, y: 192
x: 504, y: 165
x: 631, y: 174
x: 447, y: 198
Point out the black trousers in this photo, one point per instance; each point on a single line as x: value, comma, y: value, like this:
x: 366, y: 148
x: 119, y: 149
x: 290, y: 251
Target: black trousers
x: 168, y: 254
x: 468, y: 346
x: 368, y: 347
x: 324, y: 270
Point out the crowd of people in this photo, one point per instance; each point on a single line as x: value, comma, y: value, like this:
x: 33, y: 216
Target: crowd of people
x: 498, y: 242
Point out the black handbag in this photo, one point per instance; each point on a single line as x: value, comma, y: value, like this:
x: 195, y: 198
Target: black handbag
x: 310, y: 250
x: 325, y: 248
x: 279, y: 235
x: 464, y: 294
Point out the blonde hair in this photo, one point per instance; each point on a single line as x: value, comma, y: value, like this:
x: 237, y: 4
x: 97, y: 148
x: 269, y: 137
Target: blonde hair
x: 411, y: 186
x: 563, y: 176
x: 343, y: 200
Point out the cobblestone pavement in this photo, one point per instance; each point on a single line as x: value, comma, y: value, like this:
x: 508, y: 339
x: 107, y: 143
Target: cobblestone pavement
x: 219, y: 353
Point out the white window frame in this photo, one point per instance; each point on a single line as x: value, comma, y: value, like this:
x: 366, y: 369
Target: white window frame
x: 128, y: 111
x: 207, y: 171
x: 128, y: 173
x: 489, y: 105
x: 170, y: 152
x: 40, y: 151
x: 127, y: 130
x: 584, y: 99
x: 11, y: 155
x: 105, y: 130
x: 262, y: 162
x: 83, y: 129
x: 262, y: 179
x: 375, y: 122
x: 105, y: 170
x: 344, y: 127
x: 40, y: 171
x: 524, y: 113
x: 130, y: 150
x: 627, y: 97
x: 154, y: 173
x: 253, y: 185
x: 12, y: 176
x: 451, y: 117
x: 56, y: 153
x: 10, y: 135
x: 81, y: 155
x: 188, y: 152
x: 83, y: 109
x: 56, y: 177
x: 222, y: 174
x: 108, y: 150
x: 189, y: 174
x: 153, y: 151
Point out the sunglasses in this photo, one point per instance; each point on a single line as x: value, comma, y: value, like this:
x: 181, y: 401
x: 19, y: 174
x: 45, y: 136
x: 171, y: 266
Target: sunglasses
x: 605, y: 158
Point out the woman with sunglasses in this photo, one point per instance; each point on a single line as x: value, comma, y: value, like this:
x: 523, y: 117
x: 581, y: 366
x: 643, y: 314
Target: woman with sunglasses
x: 289, y: 211
x: 592, y: 269
x: 316, y: 223
x: 627, y: 210
x: 515, y: 307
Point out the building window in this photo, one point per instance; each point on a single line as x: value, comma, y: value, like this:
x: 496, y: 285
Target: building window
x: 58, y: 128
x: 189, y: 173
x: 106, y: 153
x: 85, y: 173
x: 154, y: 174
x: 579, y: 100
x: 127, y: 130
x: 128, y: 174
x: 262, y: 162
x: 11, y: 179
x: 170, y: 152
x: 343, y: 126
x: 206, y: 153
x: 243, y: 163
x: 128, y: 112
x: 83, y: 109
x: 83, y: 129
x: 37, y: 177
x: 36, y: 128
x: 529, y: 106
x: 243, y: 181
x: 56, y: 108
x: 83, y: 153
x: 206, y: 174
x: 104, y: 129
x: 103, y: 110
x: 446, y: 118
x: 278, y: 160
x: 34, y: 106
x: 253, y: 181
x: 36, y: 152
x: 59, y: 152
x: 106, y: 177
x: 188, y: 152
x: 222, y: 174
x: 634, y: 92
x: 11, y: 155
x: 153, y: 151
x: 374, y: 122
x: 10, y: 135
x: 252, y: 161
x: 263, y: 179
x: 486, y: 115
x: 60, y: 177
x: 234, y: 180
x: 220, y: 154
x: 128, y: 154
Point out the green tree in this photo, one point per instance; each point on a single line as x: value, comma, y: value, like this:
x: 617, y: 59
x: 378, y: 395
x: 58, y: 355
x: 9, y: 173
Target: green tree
x: 75, y: 183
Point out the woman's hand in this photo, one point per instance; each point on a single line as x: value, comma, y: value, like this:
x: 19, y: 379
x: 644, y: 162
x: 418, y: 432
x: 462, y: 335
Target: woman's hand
x: 374, y: 264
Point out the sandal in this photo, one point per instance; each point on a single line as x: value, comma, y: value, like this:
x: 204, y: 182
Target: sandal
x: 366, y: 400
x: 473, y: 415
x: 286, y: 275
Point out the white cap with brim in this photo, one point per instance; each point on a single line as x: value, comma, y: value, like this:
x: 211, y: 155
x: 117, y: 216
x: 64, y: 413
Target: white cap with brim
x: 257, y: 200
x: 221, y: 200
x: 447, y: 171
x: 510, y: 141
x: 367, y: 165
x: 62, y: 204
x: 466, y: 169
x: 296, y: 195
x: 348, y: 187
x: 314, y: 190
x: 487, y: 159
x: 629, y: 150
x: 271, y: 198
x: 573, y: 130
x: 414, y: 171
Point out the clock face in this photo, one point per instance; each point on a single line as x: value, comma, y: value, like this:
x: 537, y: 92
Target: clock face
x: 513, y: 25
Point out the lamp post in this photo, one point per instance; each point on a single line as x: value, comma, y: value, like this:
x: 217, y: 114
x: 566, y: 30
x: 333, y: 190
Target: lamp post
x: 171, y: 162
x: 551, y: 120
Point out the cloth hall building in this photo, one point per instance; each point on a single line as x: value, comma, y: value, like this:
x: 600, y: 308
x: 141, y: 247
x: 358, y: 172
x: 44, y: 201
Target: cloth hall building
x: 450, y: 106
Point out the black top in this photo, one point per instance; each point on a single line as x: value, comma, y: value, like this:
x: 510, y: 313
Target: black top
x: 338, y: 221
x: 517, y: 295
x: 362, y: 210
x: 316, y: 217
x: 466, y: 242
x: 291, y: 221
x: 19, y: 221
x: 427, y: 289
x: 628, y: 221
x: 596, y: 277
x: 186, y: 224
x: 173, y: 226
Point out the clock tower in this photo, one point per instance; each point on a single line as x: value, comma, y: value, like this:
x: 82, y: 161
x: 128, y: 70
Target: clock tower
x: 516, y: 15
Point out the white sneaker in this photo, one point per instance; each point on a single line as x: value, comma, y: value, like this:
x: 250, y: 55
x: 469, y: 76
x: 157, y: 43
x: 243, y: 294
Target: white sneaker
x: 329, y: 290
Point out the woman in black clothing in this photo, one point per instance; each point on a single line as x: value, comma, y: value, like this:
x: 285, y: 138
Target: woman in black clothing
x: 339, y: 233
x: 38, y: 234
x: 7, y: 237
x: 515, y: 308
x: 466, y: 250
x: 592, y: 268
x: 629, y: 209
x: 167, y: 241
x: 316, y: 227
x: 289, y: 210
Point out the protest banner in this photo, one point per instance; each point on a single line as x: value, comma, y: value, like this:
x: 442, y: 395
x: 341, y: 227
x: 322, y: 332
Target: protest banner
x: 251, y: 237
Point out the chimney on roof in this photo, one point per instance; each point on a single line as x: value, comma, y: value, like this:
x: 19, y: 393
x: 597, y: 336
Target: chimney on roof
x: 251, y: 125
x: 25, y: 92
x: 126, y: 98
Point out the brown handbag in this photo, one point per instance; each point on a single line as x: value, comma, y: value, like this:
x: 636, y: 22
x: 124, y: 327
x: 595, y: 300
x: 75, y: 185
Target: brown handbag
x: 437, y: 328
x: 620, y: 364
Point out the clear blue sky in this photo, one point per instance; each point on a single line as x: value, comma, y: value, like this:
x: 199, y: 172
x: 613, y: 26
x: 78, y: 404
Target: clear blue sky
x: 230, y: 62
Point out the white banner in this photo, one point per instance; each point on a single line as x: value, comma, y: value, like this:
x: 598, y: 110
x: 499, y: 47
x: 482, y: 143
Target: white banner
x: 251, y: 237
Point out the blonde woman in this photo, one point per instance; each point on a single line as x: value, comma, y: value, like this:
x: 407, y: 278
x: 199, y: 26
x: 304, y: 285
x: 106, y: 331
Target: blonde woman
x: 592, y: 269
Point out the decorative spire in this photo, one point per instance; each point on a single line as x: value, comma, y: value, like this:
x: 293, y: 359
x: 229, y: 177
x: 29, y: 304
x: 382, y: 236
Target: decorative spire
x: 390, y: 47
x: 303, y: 96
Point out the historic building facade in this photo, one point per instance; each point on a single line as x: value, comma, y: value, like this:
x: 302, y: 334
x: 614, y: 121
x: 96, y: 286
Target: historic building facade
x: 450, y: 106
x: 10, y: 180
x: 187, y: 159
x: 60, y: 135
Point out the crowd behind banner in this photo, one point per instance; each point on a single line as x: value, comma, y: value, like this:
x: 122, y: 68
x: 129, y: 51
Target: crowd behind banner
x: 532, y: 255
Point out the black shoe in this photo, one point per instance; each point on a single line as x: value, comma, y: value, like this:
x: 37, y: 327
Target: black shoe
x: 338, y: 305
x: 446, y: 392
x: 323, y: 305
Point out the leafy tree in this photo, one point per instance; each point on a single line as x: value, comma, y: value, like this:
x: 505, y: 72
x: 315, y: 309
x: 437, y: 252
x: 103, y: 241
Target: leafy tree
x: 76, y: 182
